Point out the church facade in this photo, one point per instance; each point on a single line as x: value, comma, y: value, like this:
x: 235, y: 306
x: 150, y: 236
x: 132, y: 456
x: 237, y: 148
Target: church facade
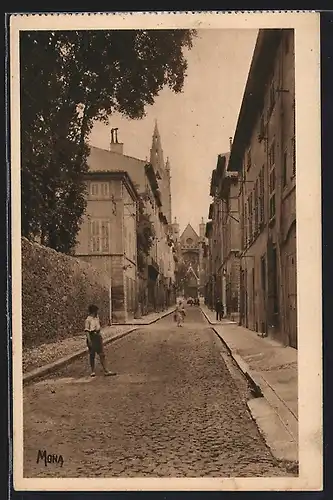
x: 191, y: 260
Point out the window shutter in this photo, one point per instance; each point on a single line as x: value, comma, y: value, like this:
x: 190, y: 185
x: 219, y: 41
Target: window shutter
x: 95, y: 236
x: 245, y: 225
x: 250, y: 217
x: 94, y: 189
x: 256, y: 201
x: 105, y: 189
x: 284, y: 169
x: 105, y: 237
x: 262, y: 194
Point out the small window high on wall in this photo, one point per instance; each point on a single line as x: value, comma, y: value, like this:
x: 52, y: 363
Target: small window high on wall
x: 99, y: 189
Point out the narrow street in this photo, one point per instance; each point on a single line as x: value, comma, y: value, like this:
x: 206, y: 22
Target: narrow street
x: 173, y: 410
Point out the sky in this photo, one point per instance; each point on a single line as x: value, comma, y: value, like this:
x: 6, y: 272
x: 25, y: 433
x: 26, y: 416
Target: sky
x: 196, y: 124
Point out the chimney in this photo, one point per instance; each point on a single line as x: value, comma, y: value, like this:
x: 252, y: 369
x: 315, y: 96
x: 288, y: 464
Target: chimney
x: 230, y: 142
x: 115, y: 146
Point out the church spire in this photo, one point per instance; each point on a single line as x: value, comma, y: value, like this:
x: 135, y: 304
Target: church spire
x: 156, y: 152
x: 156, y: 132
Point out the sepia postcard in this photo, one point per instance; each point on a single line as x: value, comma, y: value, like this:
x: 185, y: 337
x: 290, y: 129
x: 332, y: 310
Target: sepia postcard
x: 166, y: 251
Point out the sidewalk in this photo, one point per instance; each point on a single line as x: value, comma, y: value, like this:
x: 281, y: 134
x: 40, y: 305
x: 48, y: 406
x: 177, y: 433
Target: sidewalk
x: 37, y: 361
x: 272, y: 368
x: 211, y: 317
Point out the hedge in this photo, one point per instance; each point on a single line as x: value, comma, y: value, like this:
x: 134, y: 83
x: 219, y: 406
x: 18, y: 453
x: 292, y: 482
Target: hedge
x: 56, y: 292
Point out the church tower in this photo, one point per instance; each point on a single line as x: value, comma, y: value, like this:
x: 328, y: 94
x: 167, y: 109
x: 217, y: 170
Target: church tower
x: 175, y: 230
x: 162, y: 171
x: 202, y: 229
x: 168, y: 189
x: 156, y: 152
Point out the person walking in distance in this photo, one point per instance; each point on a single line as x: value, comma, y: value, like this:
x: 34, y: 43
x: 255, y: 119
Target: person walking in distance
x: 221, y: 311
x: 94, y: 340
x: 218, y: 309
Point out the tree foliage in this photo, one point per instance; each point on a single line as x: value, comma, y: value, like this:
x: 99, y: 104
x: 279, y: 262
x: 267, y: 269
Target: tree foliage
x: 69, y: 79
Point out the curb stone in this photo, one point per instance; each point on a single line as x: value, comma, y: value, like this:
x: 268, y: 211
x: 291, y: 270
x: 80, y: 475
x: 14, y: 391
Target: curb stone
x: 285, y: 449
x: 242, y: 365
x: 271, y: 427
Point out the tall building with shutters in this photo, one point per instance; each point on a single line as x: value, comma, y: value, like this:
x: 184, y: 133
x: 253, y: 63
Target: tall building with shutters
x: 108, y: 234
x: 107, y: 238
x: 224, y: 234
x: 263, y: 154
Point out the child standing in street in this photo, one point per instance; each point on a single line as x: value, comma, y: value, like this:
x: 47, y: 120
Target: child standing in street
x: 180, y: 314
x: 95, y: 340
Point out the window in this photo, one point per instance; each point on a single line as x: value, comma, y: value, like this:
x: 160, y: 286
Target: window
x: 100, y: 236
x: 294, y: 156
x: 263, y: 273
x: 250, y: 211
x: 94, y: 188
x: 272, y: 183
x: 284, y: 169
x: 245, y: 227
x: 248, y: 160
x: 256, y: 207
x: 95, y: 238
x: 99, y: 189
x: 262, y: 195
x: 105, y: 246
x: 105, y: 189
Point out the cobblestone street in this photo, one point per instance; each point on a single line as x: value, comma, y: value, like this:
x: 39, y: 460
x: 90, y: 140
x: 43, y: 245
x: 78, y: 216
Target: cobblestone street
x: 173, y: 409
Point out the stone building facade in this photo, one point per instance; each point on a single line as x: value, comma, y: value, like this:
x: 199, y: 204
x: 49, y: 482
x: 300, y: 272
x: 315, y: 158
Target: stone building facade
x: 263, y: 154
x: 224, y: 214
x: 190, y: 254
x: 155, y: 285
x: 210, y: 282
x: 107, y: 237
x: 162, y: 252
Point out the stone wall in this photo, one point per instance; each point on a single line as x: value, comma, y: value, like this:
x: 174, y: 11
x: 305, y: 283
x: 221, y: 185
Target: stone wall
x: 56, y: 292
